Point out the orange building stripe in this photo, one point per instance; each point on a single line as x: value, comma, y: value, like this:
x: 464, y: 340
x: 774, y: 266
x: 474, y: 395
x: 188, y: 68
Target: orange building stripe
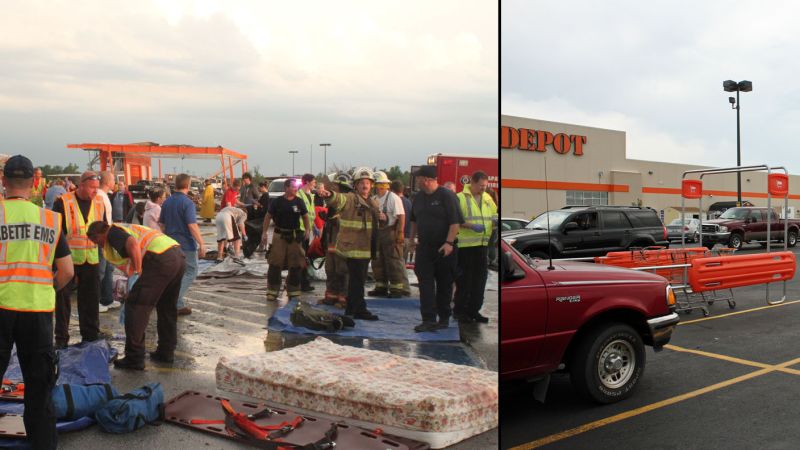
x: 562, y: 185
x: 676, y: 191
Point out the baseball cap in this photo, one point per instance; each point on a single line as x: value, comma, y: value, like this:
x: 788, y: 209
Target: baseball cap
x: 426, y: 171
x: 18, y: 166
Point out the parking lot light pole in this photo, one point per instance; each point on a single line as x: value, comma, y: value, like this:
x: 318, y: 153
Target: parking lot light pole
x: 742, y: 86
x: 325, y: 148
x: 293, y: 152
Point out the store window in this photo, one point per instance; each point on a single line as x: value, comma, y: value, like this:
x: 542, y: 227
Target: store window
x: 587, y: 198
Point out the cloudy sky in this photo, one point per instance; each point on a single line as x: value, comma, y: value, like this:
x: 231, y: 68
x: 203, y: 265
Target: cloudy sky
x: 385, y: 82
x: 655, y: 70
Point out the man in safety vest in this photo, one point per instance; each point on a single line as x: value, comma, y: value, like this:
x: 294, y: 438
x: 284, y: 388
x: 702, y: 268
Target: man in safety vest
x: 306, y: 194
x: 286, y: 251
x: 78, y: 209
x: 358, y: 220
x: 30, y: 241
x: 39, y: 189
x: 155, y: 264
x: 335, y: 264
x: 388, y: 266
x: 480, y: 212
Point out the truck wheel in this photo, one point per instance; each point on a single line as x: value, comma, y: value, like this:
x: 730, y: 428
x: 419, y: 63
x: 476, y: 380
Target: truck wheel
x: 608, y: 363
x: 791, y: 239
x: 735, y: 241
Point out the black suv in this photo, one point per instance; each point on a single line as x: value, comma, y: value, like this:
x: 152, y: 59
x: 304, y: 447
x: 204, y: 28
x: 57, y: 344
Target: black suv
x: 577, y: 231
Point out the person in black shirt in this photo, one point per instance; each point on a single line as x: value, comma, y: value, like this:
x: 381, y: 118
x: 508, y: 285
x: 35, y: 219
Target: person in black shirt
x: 435, y: 219
x: 286, y: 251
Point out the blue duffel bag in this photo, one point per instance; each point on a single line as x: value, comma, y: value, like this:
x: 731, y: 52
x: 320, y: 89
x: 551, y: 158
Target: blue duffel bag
x: 129, y: 412
x: 73, y: 401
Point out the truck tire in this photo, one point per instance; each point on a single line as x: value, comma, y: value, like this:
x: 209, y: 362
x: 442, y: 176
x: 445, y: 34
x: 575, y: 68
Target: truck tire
x: 608, y: 363
x: 791, y: 239
x: 735, y: 241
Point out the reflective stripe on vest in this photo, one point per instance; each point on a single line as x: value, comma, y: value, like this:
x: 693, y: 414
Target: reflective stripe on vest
x: 147, y: 240
x: 28, y: 237
x: 474, y: 214
x: 83, y: 250
x: 355, y: 232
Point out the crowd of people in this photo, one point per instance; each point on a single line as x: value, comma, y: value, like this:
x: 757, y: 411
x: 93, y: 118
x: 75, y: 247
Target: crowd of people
x: 70, y: 236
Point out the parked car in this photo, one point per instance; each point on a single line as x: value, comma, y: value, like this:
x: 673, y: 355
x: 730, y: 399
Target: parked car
x: 141, y: 189
x: 690, y: 228
x: 512, y: 223
x: 275, y: 188
x: 589, y: 320
x: 579, y: 231
x: 747, y: 224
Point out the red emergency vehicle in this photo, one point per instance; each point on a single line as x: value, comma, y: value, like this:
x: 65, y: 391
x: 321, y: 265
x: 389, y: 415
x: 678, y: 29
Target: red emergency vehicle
x: 459, y: 168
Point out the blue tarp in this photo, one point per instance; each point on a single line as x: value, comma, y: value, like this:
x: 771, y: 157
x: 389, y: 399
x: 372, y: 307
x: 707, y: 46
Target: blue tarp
x: 398, y: 317
x: 84, y: 363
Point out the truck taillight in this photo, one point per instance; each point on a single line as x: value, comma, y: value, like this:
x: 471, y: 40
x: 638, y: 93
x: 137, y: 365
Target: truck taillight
x: 685, y: 228
x: 665, y: 233
x: 670, y: 296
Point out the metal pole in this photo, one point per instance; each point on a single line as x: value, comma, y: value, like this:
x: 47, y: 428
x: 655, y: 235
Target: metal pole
x: 738, y: 155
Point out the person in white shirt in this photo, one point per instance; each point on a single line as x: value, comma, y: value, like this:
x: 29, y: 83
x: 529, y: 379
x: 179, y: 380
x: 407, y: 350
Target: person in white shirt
x: 106, y: 271
x: 152, y: 209
x: 388, y: 265
x: 230, y: 229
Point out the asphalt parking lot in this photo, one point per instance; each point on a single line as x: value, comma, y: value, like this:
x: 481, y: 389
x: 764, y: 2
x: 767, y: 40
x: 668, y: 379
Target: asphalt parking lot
x: 730, y: 380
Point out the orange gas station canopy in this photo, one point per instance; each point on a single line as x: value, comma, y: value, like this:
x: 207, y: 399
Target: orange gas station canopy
x: 154, y: 150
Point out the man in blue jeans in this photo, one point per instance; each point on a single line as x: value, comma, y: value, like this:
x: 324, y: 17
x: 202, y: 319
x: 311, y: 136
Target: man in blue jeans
x: 179, y: 221
x: 105, y: 270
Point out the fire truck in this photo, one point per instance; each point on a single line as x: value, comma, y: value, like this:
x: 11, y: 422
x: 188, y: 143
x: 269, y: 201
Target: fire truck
x: 459, y: 168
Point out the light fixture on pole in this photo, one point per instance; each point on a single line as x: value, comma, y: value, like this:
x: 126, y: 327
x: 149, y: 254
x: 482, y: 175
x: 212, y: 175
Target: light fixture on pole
x: 325, y: 148
x: 742, y: 86
x: 293, y: 152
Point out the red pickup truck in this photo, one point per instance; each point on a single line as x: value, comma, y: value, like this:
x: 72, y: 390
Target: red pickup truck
x: 588, y: 319
x: 748, y: 224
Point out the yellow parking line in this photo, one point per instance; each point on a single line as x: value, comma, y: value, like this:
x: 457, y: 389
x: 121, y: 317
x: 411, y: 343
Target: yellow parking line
x: 738, y: 312
x: 717, y: 356
x: 653, y: 406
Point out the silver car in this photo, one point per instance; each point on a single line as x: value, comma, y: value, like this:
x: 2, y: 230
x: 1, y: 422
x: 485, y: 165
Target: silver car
x: 690, y: 228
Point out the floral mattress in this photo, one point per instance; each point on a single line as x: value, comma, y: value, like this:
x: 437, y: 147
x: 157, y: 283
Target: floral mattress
x: 367, y: 385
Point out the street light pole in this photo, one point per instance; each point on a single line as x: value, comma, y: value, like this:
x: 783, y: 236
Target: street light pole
x: 742, y: 86
x: 325, y: 148
x: 293, y: 152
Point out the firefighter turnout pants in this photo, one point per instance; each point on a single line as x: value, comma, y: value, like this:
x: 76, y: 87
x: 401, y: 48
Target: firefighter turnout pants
x: 33, y: 334
x: 88, y: 281
x: 336, y: 275
x: 388, y: 265
x: 158, y: 287
x: 286, y: 253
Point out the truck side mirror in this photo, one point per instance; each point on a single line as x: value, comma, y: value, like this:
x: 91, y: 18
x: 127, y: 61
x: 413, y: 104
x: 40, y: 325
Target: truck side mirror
x: 570, y: 226
x: 509, y: 270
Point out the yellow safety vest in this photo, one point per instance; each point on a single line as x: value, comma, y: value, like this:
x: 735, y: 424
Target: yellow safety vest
x: 28, y: 237
x: 37, y: 197
x: 308, y: 199
x: 485, y: 214
x: 83, y: 250
x: 356, y: 218
x: 148, y: 240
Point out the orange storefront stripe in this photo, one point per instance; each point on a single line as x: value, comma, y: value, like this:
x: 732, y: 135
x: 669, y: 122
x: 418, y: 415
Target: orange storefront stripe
x: 677, y: 191
x: 563, y: 185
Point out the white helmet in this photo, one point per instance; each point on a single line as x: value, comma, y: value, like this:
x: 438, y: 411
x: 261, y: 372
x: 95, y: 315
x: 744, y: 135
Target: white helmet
x: 380, y: 177
x: 361, y: 173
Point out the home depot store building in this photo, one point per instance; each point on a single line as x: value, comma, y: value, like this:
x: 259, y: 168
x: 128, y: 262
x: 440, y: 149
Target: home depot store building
x: 587, y: 165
